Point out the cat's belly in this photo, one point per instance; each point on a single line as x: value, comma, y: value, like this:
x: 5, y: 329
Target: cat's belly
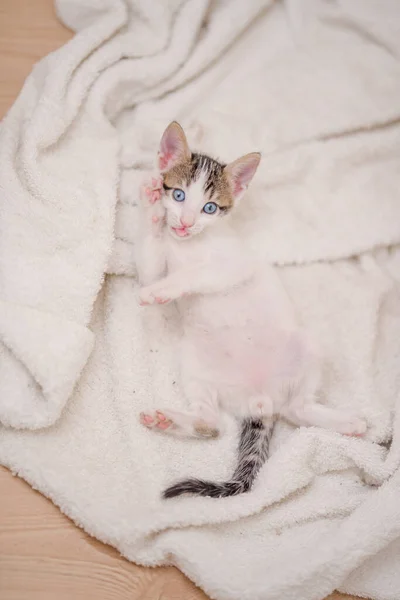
x: 247, y: 338
x: 256, y: 359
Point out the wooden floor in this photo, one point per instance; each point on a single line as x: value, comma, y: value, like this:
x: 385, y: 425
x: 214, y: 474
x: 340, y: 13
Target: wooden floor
x: 43, y: 556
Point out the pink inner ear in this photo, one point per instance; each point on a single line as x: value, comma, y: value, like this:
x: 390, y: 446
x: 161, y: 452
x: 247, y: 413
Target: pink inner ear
x: 238, y: 185
x: 173, y: 147
x: 242, y: 172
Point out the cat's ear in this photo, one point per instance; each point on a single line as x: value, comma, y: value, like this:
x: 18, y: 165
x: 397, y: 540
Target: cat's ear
x: 241, y: 171
x: 174, y: 148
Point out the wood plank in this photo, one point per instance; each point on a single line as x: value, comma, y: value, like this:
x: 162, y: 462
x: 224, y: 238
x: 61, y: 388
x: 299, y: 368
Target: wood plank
x: 44, y: 556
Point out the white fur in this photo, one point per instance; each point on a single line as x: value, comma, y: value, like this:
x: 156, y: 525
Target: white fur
x: 242, y: 349
x: 189, y: 211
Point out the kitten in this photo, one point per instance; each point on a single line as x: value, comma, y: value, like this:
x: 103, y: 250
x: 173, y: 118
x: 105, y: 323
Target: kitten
x: 242, y: 350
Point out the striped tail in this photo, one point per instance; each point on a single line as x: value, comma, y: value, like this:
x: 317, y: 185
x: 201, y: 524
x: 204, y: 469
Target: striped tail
x: 253, y: 452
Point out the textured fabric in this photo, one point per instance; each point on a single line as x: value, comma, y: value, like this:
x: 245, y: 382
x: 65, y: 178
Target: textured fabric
x: 315, y: 86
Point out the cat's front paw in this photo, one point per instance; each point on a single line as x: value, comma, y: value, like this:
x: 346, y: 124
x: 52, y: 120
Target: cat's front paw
x: 355, y: 427
x: 156, y: 294
x: 156, y: 420
x: 151, y: 190
x: 150, y: 195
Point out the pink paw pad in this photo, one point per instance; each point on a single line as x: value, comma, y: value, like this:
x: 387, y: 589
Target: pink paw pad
x: 155, y: 196
x: 146, y: 420
x: 163, y: 423
x: 158, y: 421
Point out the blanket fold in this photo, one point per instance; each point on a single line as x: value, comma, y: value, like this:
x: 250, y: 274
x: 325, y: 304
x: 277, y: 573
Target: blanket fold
x: 314, y: 86
x: 42, y: 359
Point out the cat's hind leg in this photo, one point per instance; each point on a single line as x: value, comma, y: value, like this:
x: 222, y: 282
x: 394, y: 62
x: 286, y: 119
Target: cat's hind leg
x: 179, y: 424
x: 334, y: 419
x: 203, y: 421
x: 303, y: 409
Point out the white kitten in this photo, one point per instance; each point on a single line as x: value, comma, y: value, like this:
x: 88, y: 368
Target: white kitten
x: 242, y: 350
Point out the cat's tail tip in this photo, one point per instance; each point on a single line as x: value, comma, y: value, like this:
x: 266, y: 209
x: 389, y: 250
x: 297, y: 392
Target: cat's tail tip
x: 198, y: 487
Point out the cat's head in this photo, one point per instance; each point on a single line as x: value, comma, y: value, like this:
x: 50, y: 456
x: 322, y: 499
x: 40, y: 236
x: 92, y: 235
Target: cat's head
x: 198, y: 190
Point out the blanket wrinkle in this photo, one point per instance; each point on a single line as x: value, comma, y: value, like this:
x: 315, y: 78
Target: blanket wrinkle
x: 314, y: 86
x: 52, y: 350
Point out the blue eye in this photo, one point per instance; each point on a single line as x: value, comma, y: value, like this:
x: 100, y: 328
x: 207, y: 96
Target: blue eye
x: 210, y: 208
x: 178, y: 195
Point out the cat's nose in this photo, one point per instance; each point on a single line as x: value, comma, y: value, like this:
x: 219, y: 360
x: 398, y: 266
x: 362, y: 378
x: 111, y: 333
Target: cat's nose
x: 187, y: 221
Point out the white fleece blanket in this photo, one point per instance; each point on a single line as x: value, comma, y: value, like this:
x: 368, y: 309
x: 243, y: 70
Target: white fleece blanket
x: 315, y: 86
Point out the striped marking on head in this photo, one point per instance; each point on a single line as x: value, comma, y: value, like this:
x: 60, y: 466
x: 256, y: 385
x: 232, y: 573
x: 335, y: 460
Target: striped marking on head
x: 201, y: 166
x: 222, y: 183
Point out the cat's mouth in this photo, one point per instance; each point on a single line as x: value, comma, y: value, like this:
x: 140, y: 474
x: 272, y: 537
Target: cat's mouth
x: 180, y: 231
